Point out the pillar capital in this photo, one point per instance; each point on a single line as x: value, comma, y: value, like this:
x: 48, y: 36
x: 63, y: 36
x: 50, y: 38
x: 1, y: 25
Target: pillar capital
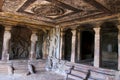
x: 73, y: 31
x: 34, y: 37
x: 97, y: 30
x: 98, y: 24
x: 81, y: 29
x: 118, y: 26
x: 34, y: 31
x: 8, y: 28
x: 118, y: 16
x: 62, y: 33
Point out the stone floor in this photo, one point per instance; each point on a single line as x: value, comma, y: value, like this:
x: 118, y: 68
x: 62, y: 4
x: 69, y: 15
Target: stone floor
x: 38, y: 76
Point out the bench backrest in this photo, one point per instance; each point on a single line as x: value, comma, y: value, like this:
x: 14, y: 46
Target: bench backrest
x: 101, y: 74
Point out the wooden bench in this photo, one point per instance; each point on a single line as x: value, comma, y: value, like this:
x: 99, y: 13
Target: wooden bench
x: 101, y: 74
x: 77, y: 73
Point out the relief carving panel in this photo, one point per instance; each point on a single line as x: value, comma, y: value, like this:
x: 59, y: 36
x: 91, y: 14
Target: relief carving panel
x: 20, y: 43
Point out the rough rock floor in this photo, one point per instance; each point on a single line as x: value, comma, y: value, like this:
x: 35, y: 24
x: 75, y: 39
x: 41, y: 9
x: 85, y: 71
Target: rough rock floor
x: 37, y: 76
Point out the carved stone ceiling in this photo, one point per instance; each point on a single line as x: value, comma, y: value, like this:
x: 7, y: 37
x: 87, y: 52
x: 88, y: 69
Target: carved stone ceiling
x: 61, y: 11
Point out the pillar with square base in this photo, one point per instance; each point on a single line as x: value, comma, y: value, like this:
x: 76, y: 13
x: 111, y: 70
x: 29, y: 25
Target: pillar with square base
x: 78, y: 46
x: 62, y: 46
x: 34, y: 38
x: 97, y: 47
x: 6, y: 39
x: 118, y: 47
x: 73, y: 45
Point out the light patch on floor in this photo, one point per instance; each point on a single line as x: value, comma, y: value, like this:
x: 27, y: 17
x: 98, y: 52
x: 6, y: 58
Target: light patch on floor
x: 37, y: 76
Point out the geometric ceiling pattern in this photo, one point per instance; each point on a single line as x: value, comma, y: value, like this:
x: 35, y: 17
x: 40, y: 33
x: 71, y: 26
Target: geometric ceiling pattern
x: 61, y: 11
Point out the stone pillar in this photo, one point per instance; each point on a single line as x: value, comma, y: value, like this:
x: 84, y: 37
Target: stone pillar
x: 73, y: 45
x: 78, y: 45
x: 34, y: 38
x: 118, y: 47
x: 97, y: 48
x: 45, y: 50
x: 6, y: 39
x: 62, y: 46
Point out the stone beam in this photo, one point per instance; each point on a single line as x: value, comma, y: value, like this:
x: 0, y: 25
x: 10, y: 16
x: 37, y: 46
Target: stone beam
x: 89, y: 19
x: 22, y: 19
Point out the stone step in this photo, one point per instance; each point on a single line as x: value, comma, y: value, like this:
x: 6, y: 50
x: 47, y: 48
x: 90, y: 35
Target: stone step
x: 3, y: 69
x: 22, y: 72
x: 75, y: 77
x: 78, y: 73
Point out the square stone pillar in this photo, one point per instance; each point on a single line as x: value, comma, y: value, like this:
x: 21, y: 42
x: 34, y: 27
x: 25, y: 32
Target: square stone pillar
x: 62, y: 46
x: 73, y: 45
x: 34, y: 38
x: 118, y: 47
x: 78, y: 45
x: 6, y: 39
x: 97, y: 48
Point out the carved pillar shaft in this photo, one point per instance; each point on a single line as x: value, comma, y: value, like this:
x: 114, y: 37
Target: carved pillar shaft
x: 34, y: 38
x: 6, y: 39
x: 118, y: 47
x: 45, y: 51
x: 78, y: 46
x: 62, y: 45
x: 97, y: 47
x: 73, y: 46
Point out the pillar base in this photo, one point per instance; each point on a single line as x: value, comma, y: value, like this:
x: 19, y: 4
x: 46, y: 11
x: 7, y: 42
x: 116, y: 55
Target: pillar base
x: 5, y: 57
x: 32, y: 57
x: 45, y: 56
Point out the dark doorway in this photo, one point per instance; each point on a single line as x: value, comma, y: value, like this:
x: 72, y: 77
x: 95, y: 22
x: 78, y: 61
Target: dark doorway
x: 1, y: 39
x: 39, y: 44
x: 20, y: 43
x: 109, y: 45
x: 87, y: 47
x: 68, y: 42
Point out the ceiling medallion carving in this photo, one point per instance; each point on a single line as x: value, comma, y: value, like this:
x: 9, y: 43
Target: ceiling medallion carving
x: 48, y: 10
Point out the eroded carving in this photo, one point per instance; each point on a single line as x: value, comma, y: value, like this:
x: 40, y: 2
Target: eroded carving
x: 20, y: 43
x: 48, y: 10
